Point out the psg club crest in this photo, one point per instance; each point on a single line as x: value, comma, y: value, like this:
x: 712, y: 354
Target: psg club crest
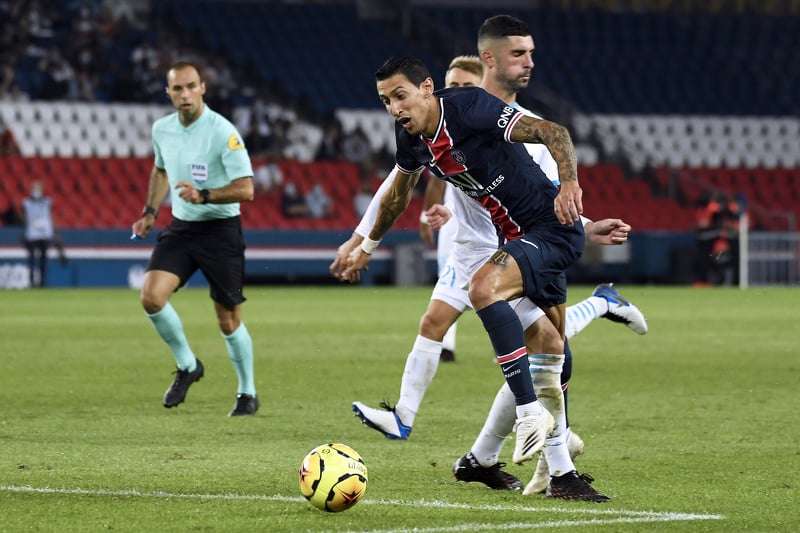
x: 459, y: 157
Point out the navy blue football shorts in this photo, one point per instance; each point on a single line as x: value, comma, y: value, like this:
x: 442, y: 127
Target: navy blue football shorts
x: 543, y: 255
x: 215, y: 247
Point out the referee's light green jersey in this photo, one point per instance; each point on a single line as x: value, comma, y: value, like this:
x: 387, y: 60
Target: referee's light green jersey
x: 209, y: 153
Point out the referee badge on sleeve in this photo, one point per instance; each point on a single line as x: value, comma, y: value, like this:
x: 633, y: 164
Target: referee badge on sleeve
x: 234, y: 143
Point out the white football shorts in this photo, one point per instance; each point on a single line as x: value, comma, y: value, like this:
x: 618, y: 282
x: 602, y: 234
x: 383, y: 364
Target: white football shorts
x: 452, y: 286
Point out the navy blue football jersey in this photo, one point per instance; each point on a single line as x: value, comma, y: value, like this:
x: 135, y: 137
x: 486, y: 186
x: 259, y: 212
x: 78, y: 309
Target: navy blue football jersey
x: 472, y: 150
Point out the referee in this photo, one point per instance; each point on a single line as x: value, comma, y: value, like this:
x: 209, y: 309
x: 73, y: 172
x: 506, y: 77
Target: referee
x: 201, y: 161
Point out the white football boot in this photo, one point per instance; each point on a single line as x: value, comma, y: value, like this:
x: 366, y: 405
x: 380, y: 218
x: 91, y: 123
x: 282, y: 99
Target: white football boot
x: 620, y: 309
x: 384, y: 420
x: 532, y: 430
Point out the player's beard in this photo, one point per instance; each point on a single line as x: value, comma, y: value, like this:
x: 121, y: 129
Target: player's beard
x: 519, y: 84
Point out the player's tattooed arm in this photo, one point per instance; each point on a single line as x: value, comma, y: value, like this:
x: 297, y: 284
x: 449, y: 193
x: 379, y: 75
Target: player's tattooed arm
x: 394, y: 202
x: 568, y: 204
x: 557, y: 140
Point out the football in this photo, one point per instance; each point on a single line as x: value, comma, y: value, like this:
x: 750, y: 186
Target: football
x: 333, y: 477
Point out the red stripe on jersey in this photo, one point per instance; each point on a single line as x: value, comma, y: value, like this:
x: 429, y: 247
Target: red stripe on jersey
x: 516, y: 354
x: 441, y: 147
x: 500, y: 217
x: 511, y: 124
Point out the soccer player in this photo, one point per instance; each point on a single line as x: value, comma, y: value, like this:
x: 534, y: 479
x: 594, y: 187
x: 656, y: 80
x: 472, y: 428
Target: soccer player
x: 475, y: 240
x: 201, y: 161
x: 467, y: 137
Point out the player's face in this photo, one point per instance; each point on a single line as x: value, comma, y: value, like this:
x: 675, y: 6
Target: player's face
x: 410, y: 105
x: 513, y: 62
x: 458, y: 77
x: 186, y: 92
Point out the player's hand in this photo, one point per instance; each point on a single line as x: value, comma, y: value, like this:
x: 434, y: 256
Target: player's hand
x: 188, y: 192
x: 608, y: 231
x: 339, y: 263
x: 438, y: 216
x: 356, y: 261
x: 568, y: 204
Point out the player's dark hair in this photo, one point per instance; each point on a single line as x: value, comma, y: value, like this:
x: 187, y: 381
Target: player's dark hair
x: 409, y: 66
x: 503, y: 26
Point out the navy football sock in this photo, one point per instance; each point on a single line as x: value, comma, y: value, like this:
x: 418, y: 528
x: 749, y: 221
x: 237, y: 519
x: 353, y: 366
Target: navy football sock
x: 508, y: 340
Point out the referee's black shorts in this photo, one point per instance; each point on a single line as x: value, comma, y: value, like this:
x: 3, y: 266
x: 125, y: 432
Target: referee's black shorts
x: 215, y: 247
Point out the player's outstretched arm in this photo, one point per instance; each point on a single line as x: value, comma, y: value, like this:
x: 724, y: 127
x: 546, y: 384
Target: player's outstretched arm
x: 363, y: 228
x: 371, y: 214
x: 393, y: 202
x: 608, y: 231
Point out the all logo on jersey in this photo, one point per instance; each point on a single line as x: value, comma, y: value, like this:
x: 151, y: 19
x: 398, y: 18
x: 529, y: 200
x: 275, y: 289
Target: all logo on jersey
x: 234, y: 143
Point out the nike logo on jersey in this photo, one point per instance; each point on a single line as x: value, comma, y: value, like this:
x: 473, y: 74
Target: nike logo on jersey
x: 529, y: 242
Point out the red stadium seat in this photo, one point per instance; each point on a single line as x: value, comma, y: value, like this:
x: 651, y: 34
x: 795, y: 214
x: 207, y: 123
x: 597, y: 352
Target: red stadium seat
x: 98, y: 182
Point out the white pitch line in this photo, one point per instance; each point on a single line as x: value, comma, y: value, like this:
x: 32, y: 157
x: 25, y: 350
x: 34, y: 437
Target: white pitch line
x: 614, y: 516
x: 156, y: 494
x: 529, y: 509
x: 664, y: 517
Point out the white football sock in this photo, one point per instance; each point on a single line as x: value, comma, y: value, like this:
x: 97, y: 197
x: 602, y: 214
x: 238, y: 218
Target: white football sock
x: 449, y: 340
x: 582, y: 313
x: 421, y: 365
x: 546, y: 372
x: 496, y: 429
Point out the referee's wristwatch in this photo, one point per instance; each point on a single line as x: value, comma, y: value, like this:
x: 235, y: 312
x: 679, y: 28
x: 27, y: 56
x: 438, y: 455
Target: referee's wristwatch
x: 205, y: 193
x: 150, y: 211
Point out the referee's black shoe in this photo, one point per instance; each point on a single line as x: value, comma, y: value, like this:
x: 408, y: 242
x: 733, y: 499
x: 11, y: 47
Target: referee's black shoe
x: 245, y: 405
x: 176, y: 393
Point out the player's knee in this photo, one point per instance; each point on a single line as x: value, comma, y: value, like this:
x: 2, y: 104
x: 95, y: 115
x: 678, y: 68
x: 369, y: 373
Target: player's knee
x: 152, y: 302
x: 433, y: 327
x: 227, y: 325
x: 543, y: 337
x: 481, y: 293
x: 551, y: 341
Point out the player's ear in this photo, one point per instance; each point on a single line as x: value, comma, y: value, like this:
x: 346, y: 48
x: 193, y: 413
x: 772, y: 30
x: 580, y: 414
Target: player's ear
x: 487, y: 58
x: 427, y: 86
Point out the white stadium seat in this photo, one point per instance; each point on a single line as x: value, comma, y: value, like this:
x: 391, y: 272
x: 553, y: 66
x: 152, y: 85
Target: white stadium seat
x: 76, y: 128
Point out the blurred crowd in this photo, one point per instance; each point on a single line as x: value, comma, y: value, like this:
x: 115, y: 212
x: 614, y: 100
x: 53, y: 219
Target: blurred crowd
x: 92, y: 50
x: 107, y: 51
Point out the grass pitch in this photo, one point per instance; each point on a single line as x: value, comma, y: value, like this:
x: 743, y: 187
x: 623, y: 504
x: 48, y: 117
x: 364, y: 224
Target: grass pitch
x: 693, y: 427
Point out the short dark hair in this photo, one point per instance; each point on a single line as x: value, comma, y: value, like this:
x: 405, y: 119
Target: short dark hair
x: 411, y: 67
x: 502, y: 26
x: 180, y: 65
